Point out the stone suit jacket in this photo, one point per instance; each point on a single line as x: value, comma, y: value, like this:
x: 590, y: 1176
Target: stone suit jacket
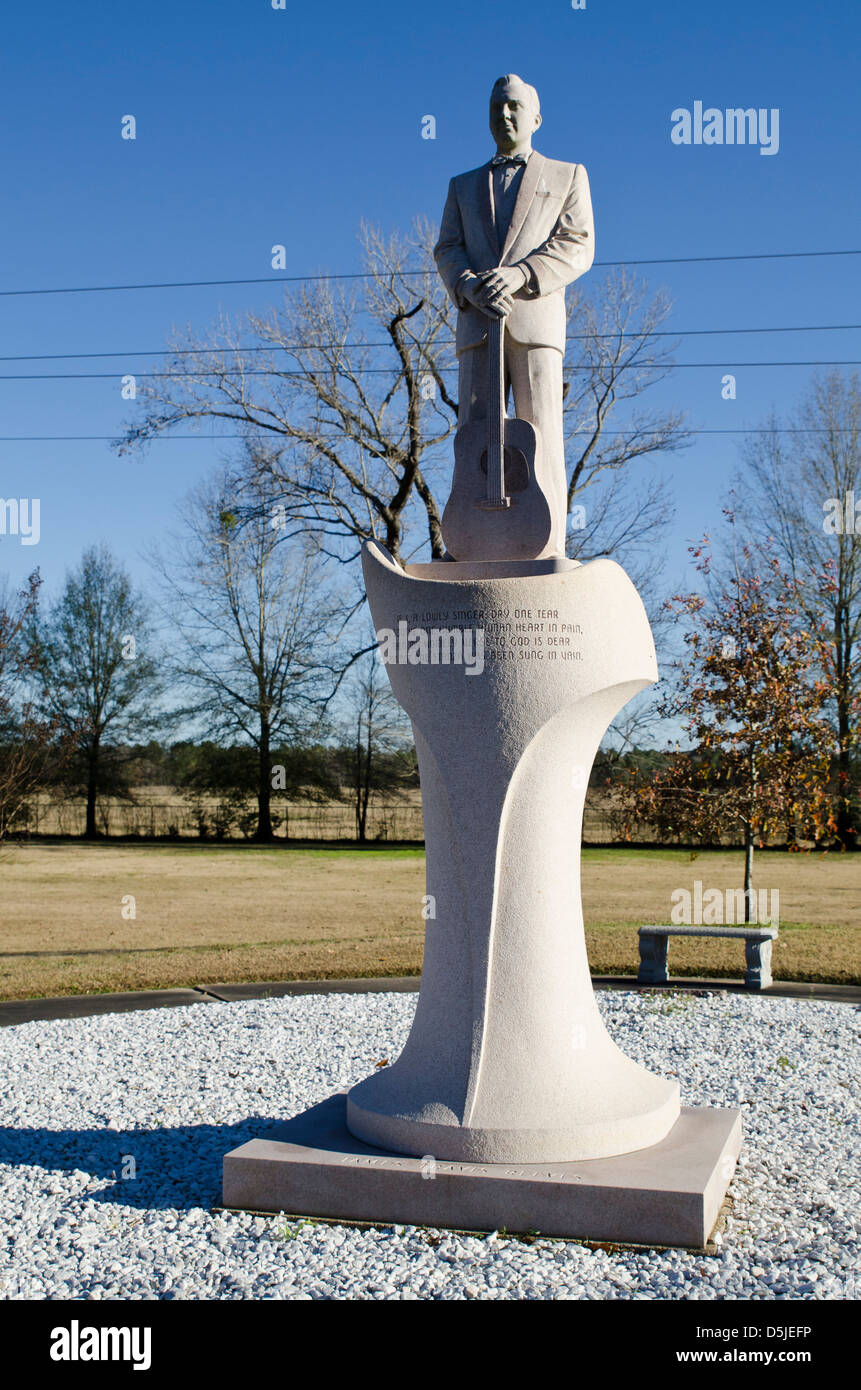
x: 551, y: 233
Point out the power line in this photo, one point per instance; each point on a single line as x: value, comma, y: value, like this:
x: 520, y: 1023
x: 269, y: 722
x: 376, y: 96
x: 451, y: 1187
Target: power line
x: 321, y: 347
x: 390, y: 371
x: 333, y: 438
x: 409, y: 274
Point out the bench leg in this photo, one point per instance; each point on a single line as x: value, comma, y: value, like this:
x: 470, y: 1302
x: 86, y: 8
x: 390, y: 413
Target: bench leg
x: 757, y: 956
x: 653, y: 960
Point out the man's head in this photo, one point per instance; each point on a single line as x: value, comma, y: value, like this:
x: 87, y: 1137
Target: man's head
x: 515, y: 114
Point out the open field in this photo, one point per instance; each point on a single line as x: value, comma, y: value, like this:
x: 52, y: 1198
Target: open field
x: 208, y: 914
x: 160, y: 812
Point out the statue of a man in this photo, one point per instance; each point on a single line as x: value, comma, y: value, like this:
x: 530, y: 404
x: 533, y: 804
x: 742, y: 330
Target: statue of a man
x: 514, y: 233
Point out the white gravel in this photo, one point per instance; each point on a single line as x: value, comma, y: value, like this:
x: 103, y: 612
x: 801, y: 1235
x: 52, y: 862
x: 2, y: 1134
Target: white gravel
x: 176, y: 1088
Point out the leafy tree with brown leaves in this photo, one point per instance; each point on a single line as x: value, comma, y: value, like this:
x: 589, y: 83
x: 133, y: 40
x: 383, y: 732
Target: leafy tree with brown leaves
x: 802, y: 497
x: 750, y: 699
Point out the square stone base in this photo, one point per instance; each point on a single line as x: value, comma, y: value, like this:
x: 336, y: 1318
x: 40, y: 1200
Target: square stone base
x: 669, y: 1194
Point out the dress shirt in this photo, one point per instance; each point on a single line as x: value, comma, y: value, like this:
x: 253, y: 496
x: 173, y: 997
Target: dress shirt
x: 507, y: 178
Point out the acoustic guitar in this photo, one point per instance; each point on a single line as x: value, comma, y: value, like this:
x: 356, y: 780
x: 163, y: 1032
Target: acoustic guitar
x: 497, y: 509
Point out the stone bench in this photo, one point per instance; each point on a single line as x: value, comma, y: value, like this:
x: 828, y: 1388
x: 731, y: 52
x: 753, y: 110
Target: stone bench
x: 757, y: 951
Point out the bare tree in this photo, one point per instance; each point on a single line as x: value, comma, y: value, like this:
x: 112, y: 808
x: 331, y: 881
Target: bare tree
x: 349, y: 384
x: 799, y: 493
x: 614, y: 356
x: 353, y: 390
x: 379, y: 755
x: 95, y: 661
x: 257, y: 625
x: 617, y: 350
x: 31, y: 747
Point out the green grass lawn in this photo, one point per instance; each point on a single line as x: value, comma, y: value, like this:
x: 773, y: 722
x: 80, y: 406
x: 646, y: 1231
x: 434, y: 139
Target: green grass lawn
x: 217, y: 913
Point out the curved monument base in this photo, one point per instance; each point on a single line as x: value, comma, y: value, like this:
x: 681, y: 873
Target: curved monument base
x: 636, y: 1121
x: 508, y: 1059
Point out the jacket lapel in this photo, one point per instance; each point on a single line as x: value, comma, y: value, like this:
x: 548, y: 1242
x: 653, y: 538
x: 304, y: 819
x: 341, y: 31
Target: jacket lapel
x: 523, y: 202
x: 486, y: 209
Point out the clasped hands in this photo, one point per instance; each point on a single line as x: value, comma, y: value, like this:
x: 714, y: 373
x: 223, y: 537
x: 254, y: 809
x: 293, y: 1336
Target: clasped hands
x: 493, y: 291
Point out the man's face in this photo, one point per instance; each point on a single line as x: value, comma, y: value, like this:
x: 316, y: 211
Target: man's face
x: 512, y: 118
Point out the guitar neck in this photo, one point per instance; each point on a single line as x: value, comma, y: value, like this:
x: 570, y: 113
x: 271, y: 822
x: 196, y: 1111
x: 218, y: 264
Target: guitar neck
x: 496, y: 411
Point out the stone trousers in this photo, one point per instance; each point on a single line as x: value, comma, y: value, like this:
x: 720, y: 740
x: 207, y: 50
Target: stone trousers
x: 534, y: 374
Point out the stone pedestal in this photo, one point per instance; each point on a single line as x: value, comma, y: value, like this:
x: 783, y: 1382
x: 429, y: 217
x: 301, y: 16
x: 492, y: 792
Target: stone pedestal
x: 669, y: 1194
x: 508, y: 1060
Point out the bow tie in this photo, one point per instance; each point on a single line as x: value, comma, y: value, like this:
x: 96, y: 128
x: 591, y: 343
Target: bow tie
x: 508, y: 159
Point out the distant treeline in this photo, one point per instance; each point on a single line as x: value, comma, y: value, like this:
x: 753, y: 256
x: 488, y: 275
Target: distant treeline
x: 324, y: 786
x: 219, y: 785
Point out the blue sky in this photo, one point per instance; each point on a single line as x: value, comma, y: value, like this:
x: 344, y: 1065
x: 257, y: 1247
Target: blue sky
x: 257, y: 126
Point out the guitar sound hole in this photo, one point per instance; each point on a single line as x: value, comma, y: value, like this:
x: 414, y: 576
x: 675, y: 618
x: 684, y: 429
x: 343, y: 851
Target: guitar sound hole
x: 515, y: 468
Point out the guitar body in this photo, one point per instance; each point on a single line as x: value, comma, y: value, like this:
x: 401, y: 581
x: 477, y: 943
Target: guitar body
x: 471, y: 529
x: 497, y: 509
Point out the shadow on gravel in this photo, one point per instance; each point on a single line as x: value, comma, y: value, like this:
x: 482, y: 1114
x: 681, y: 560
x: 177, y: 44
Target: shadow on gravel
x: 147, y: 1168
